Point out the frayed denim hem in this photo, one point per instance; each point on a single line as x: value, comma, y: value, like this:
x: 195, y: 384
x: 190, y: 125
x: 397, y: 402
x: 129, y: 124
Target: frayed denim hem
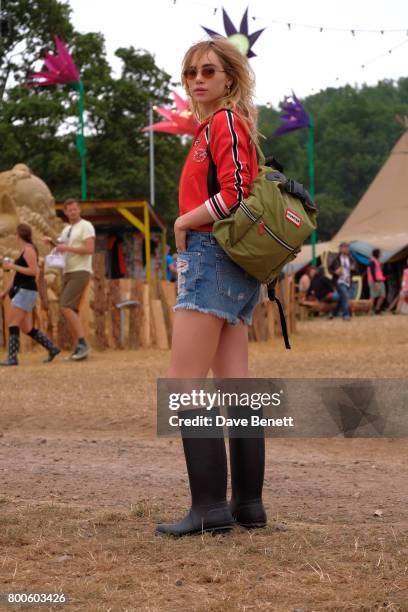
x: 218, y: 313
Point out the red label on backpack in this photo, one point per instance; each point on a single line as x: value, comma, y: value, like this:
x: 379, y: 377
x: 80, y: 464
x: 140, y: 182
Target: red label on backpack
x: 261, y: 228
x: 293, y: 217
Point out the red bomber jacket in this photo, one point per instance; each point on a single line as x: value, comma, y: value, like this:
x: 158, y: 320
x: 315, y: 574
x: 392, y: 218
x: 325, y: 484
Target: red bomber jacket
x: 233, y: 153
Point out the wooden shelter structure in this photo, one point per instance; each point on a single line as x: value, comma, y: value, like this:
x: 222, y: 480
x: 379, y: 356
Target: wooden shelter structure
x: 115, y: 213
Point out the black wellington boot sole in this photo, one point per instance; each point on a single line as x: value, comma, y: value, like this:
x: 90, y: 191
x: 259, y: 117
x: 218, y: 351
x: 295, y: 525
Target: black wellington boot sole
x: 250, y: 515
x: 169, y: 531
x: 216, y: 519
x: 52, y: 355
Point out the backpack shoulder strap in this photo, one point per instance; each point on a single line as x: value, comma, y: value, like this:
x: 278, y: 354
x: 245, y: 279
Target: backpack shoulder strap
x: 213, y: 185
x: 261, y: 156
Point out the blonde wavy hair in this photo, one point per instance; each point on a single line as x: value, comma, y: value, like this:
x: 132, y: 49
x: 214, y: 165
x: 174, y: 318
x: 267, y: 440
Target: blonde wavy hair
x: 236, y: 65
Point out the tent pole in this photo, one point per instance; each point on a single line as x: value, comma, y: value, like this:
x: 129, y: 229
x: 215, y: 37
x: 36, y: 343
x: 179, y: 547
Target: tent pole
x: 312, y: 180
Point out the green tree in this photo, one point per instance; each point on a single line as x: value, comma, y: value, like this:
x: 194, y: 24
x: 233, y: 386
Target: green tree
x: 118, y: 153
x: 38, y: 125
x: 355, y: 132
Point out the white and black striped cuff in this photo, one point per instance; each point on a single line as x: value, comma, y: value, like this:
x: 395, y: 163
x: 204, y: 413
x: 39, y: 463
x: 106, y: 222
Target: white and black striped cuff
x: 217, y: 207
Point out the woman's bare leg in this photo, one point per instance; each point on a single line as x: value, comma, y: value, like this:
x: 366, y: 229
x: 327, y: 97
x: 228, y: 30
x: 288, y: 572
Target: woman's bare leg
x: 195, y: 339
x: 231, y: 357
x: 26, y: 323
x: 16, y: 317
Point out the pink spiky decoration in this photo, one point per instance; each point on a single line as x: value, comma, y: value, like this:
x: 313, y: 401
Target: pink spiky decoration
x: 61, y: 68
x: 178, y: 121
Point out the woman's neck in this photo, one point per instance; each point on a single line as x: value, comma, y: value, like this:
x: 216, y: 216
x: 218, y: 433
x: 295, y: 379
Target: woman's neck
x: 206, y: 110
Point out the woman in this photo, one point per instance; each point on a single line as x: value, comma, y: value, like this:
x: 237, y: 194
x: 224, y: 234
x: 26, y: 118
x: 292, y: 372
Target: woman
x: 23, y: 291
x: 216, y: 298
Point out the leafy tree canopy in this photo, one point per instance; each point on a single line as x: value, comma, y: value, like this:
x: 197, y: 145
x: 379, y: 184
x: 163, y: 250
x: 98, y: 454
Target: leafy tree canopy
x: 355, y: 132
x: 355, y: 126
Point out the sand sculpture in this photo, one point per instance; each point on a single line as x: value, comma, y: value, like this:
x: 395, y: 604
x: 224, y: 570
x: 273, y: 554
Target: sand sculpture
x: 25, y: 198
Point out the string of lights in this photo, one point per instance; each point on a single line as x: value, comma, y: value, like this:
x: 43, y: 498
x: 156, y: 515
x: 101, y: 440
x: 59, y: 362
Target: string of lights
x: 354, y: 31
x: 388, y: 52
x: 291, y: 25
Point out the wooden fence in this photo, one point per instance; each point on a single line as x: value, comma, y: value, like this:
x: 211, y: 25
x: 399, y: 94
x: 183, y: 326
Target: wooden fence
x: 130, y: 314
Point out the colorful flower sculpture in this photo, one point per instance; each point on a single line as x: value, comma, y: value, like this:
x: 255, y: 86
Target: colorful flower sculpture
x: 61, y: 70
x: 240, y: 38
x: 178, y: 121
x: 294, y: 116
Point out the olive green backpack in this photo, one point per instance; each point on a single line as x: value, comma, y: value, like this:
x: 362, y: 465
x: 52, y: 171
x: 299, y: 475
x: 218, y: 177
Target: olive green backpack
x: 266, y: 230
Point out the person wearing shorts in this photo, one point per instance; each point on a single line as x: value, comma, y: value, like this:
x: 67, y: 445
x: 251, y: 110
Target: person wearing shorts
x: 216, y: 298
x: 77, y: 242
x: 23, y: 292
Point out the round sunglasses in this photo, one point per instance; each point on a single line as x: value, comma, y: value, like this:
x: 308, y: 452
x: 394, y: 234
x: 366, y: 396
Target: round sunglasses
x: 207, y: 72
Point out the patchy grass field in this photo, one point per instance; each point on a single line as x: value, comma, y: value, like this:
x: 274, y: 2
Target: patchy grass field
x: 84, y: 479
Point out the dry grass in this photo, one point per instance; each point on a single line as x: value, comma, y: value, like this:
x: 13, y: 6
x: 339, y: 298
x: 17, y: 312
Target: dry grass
x: 84, y: 480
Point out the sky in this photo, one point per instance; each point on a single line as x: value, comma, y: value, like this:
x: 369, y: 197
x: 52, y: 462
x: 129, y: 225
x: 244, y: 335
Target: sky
x: 296, y: 58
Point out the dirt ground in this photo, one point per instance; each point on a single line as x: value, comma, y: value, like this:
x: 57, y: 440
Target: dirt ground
x: 84, y: 479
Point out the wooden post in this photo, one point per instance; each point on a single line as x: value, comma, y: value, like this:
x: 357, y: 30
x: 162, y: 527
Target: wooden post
x: 99, y: 301
x: 170, y: 295
x: 6, y: 306
x: 256, y: 325
x: 125, y: 285
x: 45, y: 304
x: 278, y: 293
x: 167, y: 293
x: 136, y: 314
x: 270, y: 319
x: 84, y: 309
x: 114, y: 298
x: 145, y: 331
x: 293, y: 304
x: 2, y: 343
x: 64, y: 337
x: 286, y: 301
x: 160, y: 331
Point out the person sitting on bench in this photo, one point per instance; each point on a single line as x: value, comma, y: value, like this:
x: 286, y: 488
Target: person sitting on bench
x: 321, y: 287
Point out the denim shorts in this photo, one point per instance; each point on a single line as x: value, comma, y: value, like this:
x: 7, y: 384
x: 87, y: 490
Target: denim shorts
x: 377, y: 290
x: 210, y: 282
x: 25, y: 299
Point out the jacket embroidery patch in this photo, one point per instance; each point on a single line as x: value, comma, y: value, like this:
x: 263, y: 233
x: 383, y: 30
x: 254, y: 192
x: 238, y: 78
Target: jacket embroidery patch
x: 199, y: 155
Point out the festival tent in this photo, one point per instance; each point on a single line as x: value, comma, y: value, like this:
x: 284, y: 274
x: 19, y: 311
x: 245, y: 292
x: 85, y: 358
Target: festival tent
x: 380, y: 219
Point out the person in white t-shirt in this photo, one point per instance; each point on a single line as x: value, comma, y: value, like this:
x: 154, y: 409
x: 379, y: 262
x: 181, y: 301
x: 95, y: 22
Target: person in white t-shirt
x: 77, y: 243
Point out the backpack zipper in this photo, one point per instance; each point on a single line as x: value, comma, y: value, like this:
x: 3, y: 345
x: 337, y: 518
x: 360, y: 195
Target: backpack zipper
x: 267, y: 228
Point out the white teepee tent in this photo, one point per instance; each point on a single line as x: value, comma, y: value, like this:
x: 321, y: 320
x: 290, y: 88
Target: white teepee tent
x: 380, y: 219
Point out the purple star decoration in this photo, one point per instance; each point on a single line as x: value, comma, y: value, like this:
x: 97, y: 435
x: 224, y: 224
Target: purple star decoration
x: 293, y: 117
x: 240, y: 38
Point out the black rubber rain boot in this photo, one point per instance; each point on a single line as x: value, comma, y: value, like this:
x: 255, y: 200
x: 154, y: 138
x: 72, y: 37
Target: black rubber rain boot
x: 247, y: 458
x: 42, y: 339
x: 206, y: 461
x: 14, y: 347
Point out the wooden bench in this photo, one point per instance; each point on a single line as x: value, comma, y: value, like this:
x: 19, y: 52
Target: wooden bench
x: 315, y: 306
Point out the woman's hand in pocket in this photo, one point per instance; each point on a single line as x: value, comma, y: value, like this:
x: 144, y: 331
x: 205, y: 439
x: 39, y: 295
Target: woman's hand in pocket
x: 180, y: 233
